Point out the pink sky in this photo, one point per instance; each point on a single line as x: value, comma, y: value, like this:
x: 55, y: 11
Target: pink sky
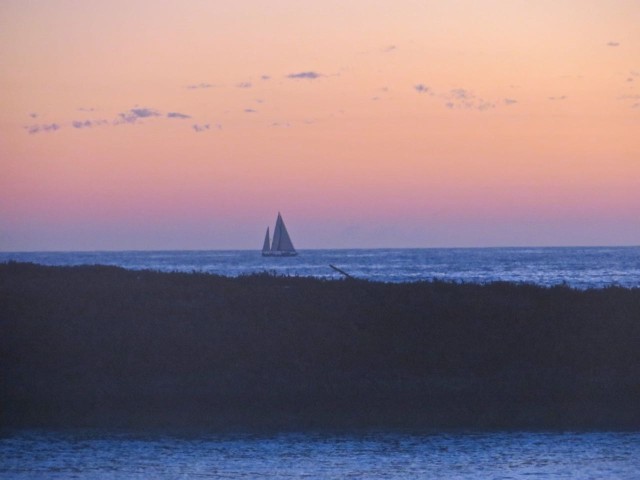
x: 189, y: 124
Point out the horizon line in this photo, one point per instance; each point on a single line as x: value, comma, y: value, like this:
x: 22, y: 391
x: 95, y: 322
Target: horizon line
x: 8, y: 252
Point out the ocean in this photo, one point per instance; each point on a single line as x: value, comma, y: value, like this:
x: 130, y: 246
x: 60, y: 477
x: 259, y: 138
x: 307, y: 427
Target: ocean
x: 102, y: 455
x: 579, y: 267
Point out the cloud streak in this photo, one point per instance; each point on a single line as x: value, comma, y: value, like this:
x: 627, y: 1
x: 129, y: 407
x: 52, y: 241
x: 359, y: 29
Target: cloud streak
x: 130, y: 117
x: 461, y: 98
x: 305, y: 75
x: 135, y: 114
x: 79, y: 124
x: 199, y: 86
x: 177, y: 115
x: 201, y: 128
x: 205, y: 127
x: 43, y: 127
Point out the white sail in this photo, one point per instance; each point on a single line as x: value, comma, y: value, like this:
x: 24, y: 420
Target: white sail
x: 266, y: 246
x: 281, y: 244
x: 284, y: 243
x: 277, y: 233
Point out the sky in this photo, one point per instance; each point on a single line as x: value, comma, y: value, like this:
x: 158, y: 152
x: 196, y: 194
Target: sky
x: 159, y: 124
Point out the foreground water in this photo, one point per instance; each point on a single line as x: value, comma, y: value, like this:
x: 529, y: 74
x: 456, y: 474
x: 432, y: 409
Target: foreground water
x: 593, y: 267
x: 103, y: 455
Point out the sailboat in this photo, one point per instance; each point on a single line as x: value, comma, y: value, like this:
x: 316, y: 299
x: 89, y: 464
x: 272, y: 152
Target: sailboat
x: 281, y: 245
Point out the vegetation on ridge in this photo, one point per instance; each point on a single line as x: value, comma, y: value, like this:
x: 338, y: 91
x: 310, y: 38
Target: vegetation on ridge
x: 105, y: 346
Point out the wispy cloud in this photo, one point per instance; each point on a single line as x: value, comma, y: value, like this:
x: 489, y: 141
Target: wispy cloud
x: 305, y: 75
x: 613, y: 44
x: 144, y: 112
x: 197, y: 86
x: 482, y: 106
x: 461, y: 93
x: 130, y: 117
x: 250, y: 110
x: 201, y: 128
x: 135, y: 114
x: 389, y: 49
x: 177, y: 115
x: 205, y: 127
x: 88, y: 123
x: 244, y: 85
x: 554, y: 99
x: 43, y: 127
x: 82, y: 124
x: 462, y: 98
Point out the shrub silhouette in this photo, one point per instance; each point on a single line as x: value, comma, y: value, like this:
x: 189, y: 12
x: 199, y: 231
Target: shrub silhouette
x: 96, y: 345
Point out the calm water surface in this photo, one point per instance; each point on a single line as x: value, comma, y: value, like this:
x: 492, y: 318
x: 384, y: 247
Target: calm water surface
x: 103, y: 455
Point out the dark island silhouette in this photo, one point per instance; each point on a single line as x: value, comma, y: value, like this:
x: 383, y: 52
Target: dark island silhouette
x: 97, y: 346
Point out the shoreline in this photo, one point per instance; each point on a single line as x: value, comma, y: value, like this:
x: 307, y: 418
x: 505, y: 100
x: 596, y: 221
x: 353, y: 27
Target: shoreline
x: 577, y: 267
x: 97, y: 346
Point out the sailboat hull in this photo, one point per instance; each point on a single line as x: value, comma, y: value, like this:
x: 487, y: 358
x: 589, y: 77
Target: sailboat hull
x: 279, y: 254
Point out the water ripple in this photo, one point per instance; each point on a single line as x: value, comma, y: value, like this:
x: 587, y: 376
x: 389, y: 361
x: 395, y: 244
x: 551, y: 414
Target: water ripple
x: 104, y: 455
x: 593, y: 267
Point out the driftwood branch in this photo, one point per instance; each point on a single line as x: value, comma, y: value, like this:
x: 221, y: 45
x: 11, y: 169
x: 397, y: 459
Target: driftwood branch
x: 342, y: 272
